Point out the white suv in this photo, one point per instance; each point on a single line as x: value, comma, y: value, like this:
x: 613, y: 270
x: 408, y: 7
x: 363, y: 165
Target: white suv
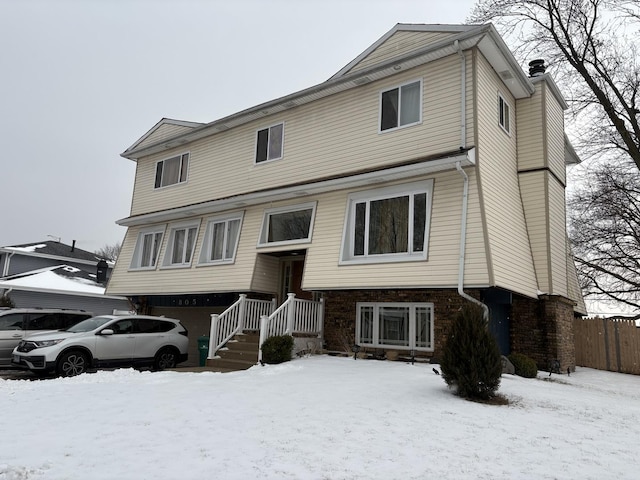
x: 105, y: 341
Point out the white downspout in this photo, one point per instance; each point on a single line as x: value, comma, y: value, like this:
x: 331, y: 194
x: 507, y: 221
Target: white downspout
x: 463, y: 241
x: 7, y: 261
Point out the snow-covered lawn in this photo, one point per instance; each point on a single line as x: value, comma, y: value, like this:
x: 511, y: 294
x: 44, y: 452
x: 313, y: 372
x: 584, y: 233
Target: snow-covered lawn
x: 317, y: 418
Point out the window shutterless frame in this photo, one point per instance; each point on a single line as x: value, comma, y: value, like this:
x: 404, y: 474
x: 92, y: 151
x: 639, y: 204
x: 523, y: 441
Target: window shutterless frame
x: 288, y: 225
x: 504, y: 114
x: 402, y: 326
x: 147, y: 249
x: 181, y: 244
x: 270, y: 143
x: 400, y: 106
x: 172, y: 171
x: 221, y: 239
x: 389, y: 224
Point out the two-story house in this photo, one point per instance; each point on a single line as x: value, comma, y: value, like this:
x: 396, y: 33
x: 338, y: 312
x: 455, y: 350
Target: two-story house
x: 426, y: 173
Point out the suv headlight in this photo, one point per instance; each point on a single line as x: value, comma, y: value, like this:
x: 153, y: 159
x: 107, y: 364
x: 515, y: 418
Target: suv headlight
x: 47, y: 343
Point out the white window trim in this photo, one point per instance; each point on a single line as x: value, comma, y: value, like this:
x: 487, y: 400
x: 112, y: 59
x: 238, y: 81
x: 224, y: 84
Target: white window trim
x: 290, y: 208
x: 412, y: 325
x: 137, y: 251
x: 161, y: 187
x: 203, y: 259
x: 504, y: 101
x: 168, y: 252
x: 268, y: 160
x: 399, y: 86
x: 348, y: 233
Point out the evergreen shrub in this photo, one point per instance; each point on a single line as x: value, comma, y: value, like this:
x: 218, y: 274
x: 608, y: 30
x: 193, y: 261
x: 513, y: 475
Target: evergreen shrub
x: 525, y: 366
x: 471, y: 361
x: 277, y: 349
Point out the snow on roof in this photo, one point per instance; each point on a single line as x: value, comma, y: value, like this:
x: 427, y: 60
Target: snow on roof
x: 28, y: 248
x: 61, y: 278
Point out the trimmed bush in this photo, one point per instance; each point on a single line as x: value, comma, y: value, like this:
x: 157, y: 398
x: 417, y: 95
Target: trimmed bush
x: 471, y: 361
x: 5, y: 301
x: 525, y: 366
x: 277, y: 349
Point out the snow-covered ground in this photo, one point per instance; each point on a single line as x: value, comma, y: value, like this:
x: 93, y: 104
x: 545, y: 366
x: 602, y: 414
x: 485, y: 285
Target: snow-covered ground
x: 317, y: 418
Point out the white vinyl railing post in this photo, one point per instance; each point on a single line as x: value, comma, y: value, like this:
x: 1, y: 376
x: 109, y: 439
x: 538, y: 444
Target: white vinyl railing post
x: 264, y: 325
x: 242, y: 312
x: 291, y: 313
x: 213, y: 334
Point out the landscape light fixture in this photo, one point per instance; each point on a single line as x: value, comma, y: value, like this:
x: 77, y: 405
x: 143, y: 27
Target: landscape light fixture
x: 355, y: 349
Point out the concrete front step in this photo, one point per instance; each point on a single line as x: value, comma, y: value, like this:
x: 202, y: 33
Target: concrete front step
x: 230, y: 364
x: 240, y: 353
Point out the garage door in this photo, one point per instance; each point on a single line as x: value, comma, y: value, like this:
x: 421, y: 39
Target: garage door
x: 195, y: 319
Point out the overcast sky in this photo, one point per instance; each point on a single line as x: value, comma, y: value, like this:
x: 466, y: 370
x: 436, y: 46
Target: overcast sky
x: 83, y: 80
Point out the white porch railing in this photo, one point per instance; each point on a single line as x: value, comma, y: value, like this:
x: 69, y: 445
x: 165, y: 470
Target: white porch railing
x: 244, y: 314
x: 295, y: 315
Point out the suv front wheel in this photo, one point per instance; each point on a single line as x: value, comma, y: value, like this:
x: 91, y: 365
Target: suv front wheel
x: 72, y: 363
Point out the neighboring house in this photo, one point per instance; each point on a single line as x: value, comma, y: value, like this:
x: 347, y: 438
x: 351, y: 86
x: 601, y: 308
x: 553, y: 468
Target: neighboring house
x: 427, y: 171
x: 54, y: 275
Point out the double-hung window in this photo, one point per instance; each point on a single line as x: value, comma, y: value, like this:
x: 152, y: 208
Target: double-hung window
x: 181, y: 244
x: 395, y: 325
x: 401, y: 106
x: 504, y: 114
x: 269, y: 143
x: 172, y: 170
x: 145, y: 253
x: 287, y: 225
x: 386, y: 225
x: 221, y: 239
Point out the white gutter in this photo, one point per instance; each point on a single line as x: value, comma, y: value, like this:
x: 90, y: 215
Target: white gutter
x: 463, y: 95
x: 463, y: 240
x: 5, y: 267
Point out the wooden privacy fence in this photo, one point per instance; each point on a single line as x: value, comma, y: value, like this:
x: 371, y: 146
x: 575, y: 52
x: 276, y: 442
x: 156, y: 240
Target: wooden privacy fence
x: 608, y: 344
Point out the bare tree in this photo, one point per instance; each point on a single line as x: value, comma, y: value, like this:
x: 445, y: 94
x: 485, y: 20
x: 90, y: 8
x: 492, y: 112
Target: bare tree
x: 109, y: 252
x: 605, y: 234
x: 593, y: 48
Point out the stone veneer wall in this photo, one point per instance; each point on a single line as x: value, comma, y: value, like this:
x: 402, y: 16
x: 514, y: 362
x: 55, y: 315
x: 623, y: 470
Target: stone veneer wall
x: 543, y: 330
x: 340, y: 313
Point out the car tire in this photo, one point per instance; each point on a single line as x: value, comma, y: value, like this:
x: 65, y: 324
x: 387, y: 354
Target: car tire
x: 72, y: 363
x: 165, y: 358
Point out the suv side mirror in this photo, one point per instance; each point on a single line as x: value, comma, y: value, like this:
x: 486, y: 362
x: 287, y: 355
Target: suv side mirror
x: 106, y: 331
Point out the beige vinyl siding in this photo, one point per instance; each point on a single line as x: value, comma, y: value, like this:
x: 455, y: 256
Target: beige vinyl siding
x: 555, y: 136
x: 557, y: 238
x: 530, y: 138
x: 333, y: 136
x: 266, y: 274
x: 399, y: 44
x: 511, y: 260
x: 322, y: 271
x: 533, y: 186
x: 163, y: 132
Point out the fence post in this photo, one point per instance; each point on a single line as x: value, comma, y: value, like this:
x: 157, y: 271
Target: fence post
x: 264, y: 325
x: 213, y: 340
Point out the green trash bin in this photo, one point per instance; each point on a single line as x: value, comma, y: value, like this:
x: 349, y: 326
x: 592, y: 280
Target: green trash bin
x: 203, y: 349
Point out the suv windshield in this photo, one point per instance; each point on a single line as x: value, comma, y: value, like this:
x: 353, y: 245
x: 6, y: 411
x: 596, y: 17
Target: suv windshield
x: 88, y: 324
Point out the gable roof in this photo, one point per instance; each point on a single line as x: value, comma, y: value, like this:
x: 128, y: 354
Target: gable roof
x: 456, y: 38
x: 165, y: 128
x: 51, y: 249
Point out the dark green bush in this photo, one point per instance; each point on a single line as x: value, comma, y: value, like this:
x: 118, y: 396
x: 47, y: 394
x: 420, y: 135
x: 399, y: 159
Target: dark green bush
x: 277, y: 349
x: 471, y: 361
x: 5, y: 301
x: 525, y: 366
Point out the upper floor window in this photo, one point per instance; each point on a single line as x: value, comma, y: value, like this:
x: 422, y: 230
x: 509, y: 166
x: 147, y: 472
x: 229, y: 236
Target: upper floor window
x: 221, y: 239
x: 401, y: 106
x: 269, y: 143
x: 504, y: 114
x: 286, y: 225
x: 145, y: 254
x: 389, y: 224
x: 181, y: 245
x: 172, y: 170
